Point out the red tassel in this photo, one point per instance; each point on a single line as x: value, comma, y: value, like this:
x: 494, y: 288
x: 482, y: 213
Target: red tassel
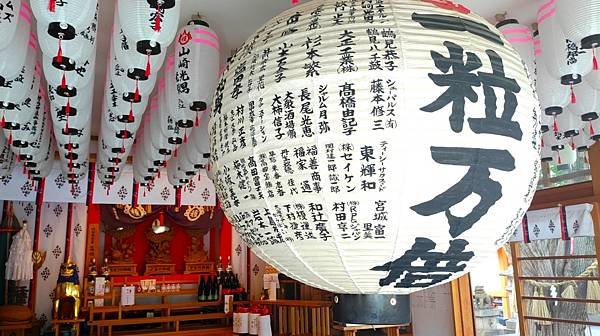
x: 573, y: 98
x: 159, y: 173
x: 592, y: 131
x: 594, y: 60
x: 295, y: 2
x: 10, y: 138
x: 136, y: 94
x: 558, y: 154
x: 72, y: 188
x: 67, y: 126
x: 3, y: 121
x: 68, y: 107
x: 131, y: 117
x: 157, y: 18
x: 59, y: 53
x: 197, y: 120
x: 147, y: 72
x: 555, y: 125
x: 175, y: 154
x: 185, y: 135
x: 52, y: 6
x: 572, y: 144
x: 63, y: 81
x: 543, y: 141
x: 70, y: 162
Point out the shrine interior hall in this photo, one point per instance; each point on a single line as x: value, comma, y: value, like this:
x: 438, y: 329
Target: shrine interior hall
x: 299, y: 167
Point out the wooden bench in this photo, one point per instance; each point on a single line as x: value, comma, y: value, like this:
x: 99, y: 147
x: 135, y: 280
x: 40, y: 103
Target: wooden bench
x: 351, y: 330
x: 175, y: 319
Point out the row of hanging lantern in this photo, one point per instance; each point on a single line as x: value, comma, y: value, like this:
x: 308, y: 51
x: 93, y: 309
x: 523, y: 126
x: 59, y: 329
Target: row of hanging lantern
x: 561, y: 58
x: 138, y: 48
x: 183, y: 95
x: 25, y: 119
x: 67, y: 38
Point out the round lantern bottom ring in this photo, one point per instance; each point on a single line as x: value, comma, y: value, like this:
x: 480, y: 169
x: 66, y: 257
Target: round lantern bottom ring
x: 371, y: 309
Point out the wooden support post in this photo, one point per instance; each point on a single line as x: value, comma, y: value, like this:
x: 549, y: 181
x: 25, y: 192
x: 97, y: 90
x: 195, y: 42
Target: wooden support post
x: 515, y: 253
x: 462, y: 306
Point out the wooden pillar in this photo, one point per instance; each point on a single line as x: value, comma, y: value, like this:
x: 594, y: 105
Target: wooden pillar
x: 515, y: 253
x: 462, y: 306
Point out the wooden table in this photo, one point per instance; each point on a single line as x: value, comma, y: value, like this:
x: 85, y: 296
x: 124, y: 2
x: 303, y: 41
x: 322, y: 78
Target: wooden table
x: 57, y: 323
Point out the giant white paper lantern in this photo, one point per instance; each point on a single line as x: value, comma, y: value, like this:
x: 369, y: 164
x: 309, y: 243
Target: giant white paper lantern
x: 579, y: 20
x: 11, y: 15
x: 563, y: 57
x: 311, y: 214
x: 197, y: 65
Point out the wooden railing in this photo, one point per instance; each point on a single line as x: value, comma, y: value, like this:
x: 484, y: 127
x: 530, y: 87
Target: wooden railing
x: 299, y: 317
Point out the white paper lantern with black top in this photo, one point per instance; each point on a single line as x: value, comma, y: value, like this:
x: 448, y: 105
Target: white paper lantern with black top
x: 569, y: 124
x: 196, y: 65
x: 563, y: 58
x: 364, y: 234
x: 9, y: 19
x: 521, y: 38
x: 579, y: 20
x: 553, y: 96
x: 18, y: 88
x: 12, y: 58
x: 7, y: 158
x: 151, y: 24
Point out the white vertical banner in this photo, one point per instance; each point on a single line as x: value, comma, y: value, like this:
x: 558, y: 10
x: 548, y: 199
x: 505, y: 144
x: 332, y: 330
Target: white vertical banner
x: 58, y: 189
x: 78, y: 236
x: 53, y: 228
x: 239, y: 258
x: 17, y: 187
x: 257, y: 270
x: 120, y: 192
x: 544, y: 224
x: 579, y: 220
x: 161, y: 192
x: 199, y: 191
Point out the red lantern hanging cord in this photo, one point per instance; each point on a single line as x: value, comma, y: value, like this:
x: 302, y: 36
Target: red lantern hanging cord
x: 594, y: 59
x: 157, y: 17
x: 197, y: 119
x: 185, y: 135
x: 63, y: 80
x: 573, y: 97
x: 148, y: 70
x: 52, y: 6
x: 3, y: 121
x: 555, y: 125
x: 136, y: 94
x: 59, y: 53
x: 131, y: 117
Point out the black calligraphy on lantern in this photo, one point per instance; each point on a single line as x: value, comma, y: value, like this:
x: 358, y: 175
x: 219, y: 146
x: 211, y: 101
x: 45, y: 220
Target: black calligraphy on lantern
x: 476, y: 181
x: 284, y: 50
x: 323, y: 121
x: 436, y: 266
x: 313, y: 63
x: 460, y: 80
x: 306, y: 113
x: 291, y: 24
x: 346, y: 52
x: 7, y: 11
x: 348, y: 104
x: 573, y: 52
x: 313, y: 22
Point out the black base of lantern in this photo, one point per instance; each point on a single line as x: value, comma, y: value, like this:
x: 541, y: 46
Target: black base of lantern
x: 589, y: 116
x: 371, y: 309
x: 582, y: 148
x: 61, y: 30
x: 557, y: 148
x: 553, y: 110
x: 66, y: 91
x: 546, y: 159
x: 137, y: 74
x: 198, y: 106
x: 570, y: 133
x: 589, y: 42
x: 572, y: 79
x: 145, y: 47
x: 66, y: 64
x: 545, y: 128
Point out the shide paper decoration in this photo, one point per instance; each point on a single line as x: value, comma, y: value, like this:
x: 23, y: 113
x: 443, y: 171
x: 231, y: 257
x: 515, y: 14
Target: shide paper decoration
x: 316, y: 114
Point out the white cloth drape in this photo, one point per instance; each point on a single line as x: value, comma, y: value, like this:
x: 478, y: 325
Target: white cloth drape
x: 19, y: 265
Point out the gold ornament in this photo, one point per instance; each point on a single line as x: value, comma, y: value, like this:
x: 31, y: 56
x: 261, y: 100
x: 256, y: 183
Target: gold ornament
x: 38, y: 259
x: 193, y: 212
x: 135, y: 212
